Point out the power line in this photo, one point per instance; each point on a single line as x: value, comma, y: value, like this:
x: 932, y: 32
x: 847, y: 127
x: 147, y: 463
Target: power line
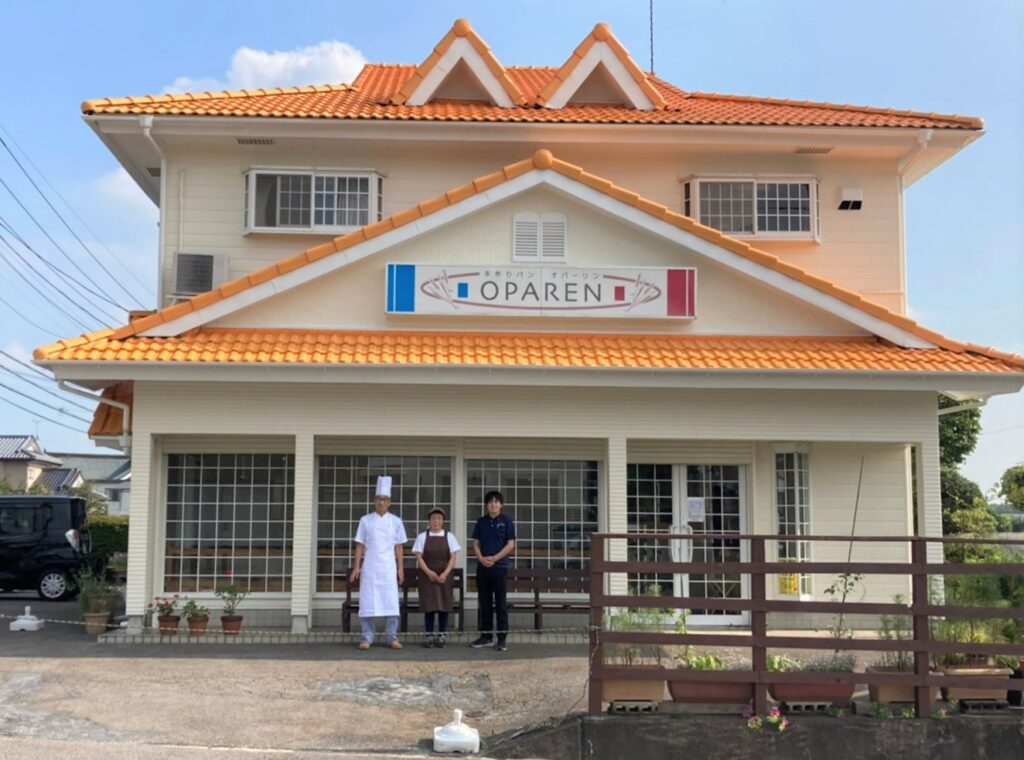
x: 71, y: 208
x: 34, y: 384
x: 38, y: 371
x: 57, y: 245
x: 42, y: 416
x: 1001, y: 430
x: 31, y: 284
x: 70, y: 280
x: 20, y: 314
x: 57, y: 409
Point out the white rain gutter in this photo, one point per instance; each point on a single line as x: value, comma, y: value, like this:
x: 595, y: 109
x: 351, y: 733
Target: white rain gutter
x: 964, y: 407
x: 125, y: 439
x: 146, y: 122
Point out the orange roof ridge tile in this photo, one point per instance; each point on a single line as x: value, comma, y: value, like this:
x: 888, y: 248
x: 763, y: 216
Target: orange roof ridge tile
x: 460, y: 29
x: 90, y: 106
x: 542, y: 160
x: 600, y: 33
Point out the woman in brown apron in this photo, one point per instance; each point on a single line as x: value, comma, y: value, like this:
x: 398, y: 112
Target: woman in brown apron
x: 435, y: 551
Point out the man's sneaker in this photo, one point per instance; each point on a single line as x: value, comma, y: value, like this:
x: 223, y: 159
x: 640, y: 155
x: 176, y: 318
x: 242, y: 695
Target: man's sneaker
x: 429, y: 642
x: 501, y: 646
x: 364, y: 644
x: 440, y: 642
x: 396, y: 644
x: 483, y: 641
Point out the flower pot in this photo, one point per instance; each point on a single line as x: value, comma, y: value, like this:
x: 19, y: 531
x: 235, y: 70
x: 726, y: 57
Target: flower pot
x: 96, y: 623
x: 197, y: 625
x: 633, y: 689
x: 711, y: 692
x: 168, y: 624
x: 962, y: 692
x: 231, y: 624
x: 836, y: 693
x: 891, y: 692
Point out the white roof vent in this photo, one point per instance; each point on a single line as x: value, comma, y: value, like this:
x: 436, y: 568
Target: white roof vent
x: 539, y: 237
x: 255, y: 140
x: 814, y: 150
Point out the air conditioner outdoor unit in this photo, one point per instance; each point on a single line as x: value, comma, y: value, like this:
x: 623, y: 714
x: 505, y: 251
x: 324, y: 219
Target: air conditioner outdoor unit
x: 196, y: 273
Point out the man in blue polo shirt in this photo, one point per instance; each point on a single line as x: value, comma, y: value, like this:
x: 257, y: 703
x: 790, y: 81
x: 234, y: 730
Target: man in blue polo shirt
x: 494, y: 538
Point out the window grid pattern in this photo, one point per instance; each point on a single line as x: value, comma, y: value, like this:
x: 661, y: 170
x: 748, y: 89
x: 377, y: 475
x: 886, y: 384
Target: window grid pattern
x: 719, y: 486
x: 649, y: 510
x: 345, y: 491
x: 728, y: 206
x: 341, y: 201
x: 783, y: 207
x: 380, y: 198
x: 293, y: 200
x: 554, y: 504
x: 229, y: 520
x: 793, y: 513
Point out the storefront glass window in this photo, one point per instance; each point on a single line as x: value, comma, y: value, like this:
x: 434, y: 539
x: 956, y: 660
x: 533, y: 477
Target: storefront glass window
x: 793, y: 516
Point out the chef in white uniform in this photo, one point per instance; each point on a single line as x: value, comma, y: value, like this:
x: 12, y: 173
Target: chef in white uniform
x: 378, y: 567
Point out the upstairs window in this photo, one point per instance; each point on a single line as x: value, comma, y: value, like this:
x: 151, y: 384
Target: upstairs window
x: 311, y: 201
x: 779, y: 207
x: 538, y: 237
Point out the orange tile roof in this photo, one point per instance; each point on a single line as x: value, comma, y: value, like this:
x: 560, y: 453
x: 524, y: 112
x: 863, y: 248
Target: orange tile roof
x: 543, y: 160
x: 548, y: 350
x: 380, y: 91
x: 601, y: 33
x: 109, y: 420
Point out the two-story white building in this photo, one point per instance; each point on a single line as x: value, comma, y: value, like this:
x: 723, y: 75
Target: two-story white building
x: 626, y: 305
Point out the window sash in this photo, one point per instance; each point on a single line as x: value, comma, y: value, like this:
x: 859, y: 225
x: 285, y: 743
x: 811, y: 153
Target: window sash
x: 793, y: 517
x: 779, y: 207
x: 298, y: 200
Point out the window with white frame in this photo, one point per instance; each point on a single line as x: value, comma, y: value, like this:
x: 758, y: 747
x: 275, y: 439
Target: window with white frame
x: 538, y: 237
x: 229, y: 520
x: 345, y: 490
x: 793, y: 517
x: 778, y: 207
x: 312, y: 200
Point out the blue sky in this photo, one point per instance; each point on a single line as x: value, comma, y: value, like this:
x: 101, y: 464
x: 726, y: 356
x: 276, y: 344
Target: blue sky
x: 964, y: 222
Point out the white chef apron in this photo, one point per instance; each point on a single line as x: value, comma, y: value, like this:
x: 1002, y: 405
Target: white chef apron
x: 378, y: 579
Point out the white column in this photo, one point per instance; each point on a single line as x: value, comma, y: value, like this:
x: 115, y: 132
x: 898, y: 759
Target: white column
x: 303, y: 533
x: 929, y: 497
x: 141, y: 525
x: 615, y: 499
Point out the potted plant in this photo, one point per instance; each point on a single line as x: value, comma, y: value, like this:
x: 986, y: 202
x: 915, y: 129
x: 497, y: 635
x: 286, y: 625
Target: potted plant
x: 826, y: 690
x: 165, y: 607
x: 707, y: 692
x: 895, y: 628
x: 638, y: 656
x: 197, y: 617
x: 97, y: 599
x: 231, y: 595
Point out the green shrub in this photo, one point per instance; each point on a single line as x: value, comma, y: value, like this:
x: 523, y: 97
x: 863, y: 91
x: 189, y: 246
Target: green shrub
x: 109, y: 535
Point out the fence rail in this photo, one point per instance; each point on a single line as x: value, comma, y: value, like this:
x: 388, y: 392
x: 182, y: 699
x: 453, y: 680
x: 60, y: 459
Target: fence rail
x: 920, y: 610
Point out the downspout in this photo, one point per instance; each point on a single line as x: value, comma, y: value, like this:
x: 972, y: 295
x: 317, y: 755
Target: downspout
x: 125, y: 439
x: 146, y: 122
x: 924, y: 138
x: 964, y: 407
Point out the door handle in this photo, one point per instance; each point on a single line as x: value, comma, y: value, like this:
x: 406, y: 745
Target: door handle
x: 681, y: 549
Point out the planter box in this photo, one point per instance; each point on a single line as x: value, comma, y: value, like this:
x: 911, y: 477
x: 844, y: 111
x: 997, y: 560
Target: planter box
x: 962, y: 692
x: 836, y: 693
x: 634, y: 689
x: 168, y: 624
x: 889, y: 692
x: 231, y: 624
x: 96, y: 623
x: 711, y: 692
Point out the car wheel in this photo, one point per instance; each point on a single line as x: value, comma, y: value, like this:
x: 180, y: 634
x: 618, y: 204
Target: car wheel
x: 54, y: 585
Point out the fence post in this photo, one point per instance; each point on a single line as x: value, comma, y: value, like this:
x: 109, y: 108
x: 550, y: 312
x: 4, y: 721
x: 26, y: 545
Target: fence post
x: 596, y: 683
x: 919, y: 588
x: 758, y: 628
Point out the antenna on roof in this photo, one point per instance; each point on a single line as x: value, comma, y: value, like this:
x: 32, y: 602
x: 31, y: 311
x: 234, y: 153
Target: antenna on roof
x: 651, y: 17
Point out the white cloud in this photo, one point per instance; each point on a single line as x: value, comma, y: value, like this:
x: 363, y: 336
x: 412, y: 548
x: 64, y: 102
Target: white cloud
x: 326, y: 62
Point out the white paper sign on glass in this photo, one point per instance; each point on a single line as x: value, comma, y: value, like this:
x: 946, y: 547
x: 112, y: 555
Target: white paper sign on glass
x: 532, y: 291
x: 695, y: 509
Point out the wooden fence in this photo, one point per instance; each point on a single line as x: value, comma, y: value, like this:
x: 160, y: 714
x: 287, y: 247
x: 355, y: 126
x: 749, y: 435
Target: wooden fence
x: 757, y: 568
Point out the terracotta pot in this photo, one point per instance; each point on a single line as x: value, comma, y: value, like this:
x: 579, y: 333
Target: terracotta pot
x: 890, y: 692
x: 168, y: 624
x: 231, y: 624
x: 96, y: 623
x: 633, y: 689
x: 197, y: 625
x: 961, y: 692
x: 836, y: 693
x: 711, y: 692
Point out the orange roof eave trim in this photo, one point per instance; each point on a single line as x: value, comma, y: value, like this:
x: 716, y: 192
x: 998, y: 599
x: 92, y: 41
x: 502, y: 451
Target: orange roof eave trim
x: 461, y: 28
x: 542, y: 160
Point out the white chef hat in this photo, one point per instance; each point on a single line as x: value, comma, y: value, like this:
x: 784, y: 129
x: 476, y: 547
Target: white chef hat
x: 383, y: 486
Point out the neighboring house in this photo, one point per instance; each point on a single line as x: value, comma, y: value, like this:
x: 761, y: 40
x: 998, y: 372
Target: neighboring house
x: 59, y: 480
x: 23, y: 460
x: 108, y: 474
x: 625, y: 304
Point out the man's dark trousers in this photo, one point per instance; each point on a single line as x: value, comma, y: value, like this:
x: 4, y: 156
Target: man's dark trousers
x: 492, y: 584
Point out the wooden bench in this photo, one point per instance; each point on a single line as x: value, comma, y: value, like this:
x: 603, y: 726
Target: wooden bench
x: 407, y: 603
x: 540, y: 583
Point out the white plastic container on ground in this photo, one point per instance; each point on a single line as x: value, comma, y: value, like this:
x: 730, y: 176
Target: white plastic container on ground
x: 456, y: 737
x: 26, y: 622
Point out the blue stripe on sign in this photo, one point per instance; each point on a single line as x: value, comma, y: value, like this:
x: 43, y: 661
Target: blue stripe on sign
x: 391, y: 288
x: 404, y: 288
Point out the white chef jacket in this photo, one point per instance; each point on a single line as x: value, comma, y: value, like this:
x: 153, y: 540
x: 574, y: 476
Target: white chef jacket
x: 378, y: 578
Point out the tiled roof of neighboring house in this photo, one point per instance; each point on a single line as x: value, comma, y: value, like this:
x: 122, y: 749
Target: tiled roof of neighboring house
x: 58, y: 480
x: 85, y: 345
x: 556, y: 350
x: 94, y: 466
x: 380, y: 90
x: 25, y: 448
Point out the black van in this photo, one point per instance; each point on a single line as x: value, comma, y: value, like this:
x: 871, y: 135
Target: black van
x: 43, y: 544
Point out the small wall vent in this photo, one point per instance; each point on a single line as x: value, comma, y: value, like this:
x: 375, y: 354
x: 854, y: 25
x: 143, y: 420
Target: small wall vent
x: 814, y: 150
x: 154, y: 171
x: 255, y: 140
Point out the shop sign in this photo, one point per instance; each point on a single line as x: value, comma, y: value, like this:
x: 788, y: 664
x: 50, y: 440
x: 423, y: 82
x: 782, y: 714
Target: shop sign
x: 542, y: 291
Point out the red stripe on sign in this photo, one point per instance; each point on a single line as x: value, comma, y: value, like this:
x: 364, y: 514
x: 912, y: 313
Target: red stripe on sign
x: 620, y: 293
x: 680, y: 292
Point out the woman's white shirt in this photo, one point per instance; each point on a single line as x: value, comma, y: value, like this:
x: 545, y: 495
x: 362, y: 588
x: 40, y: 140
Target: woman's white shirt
x: 421, y: 540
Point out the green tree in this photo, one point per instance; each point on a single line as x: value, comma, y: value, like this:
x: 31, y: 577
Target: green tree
x: 1011, y: 486
x: 958, y: 433
x: 957, y: 493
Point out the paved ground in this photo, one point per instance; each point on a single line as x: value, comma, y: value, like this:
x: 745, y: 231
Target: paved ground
x: 61, y: 694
